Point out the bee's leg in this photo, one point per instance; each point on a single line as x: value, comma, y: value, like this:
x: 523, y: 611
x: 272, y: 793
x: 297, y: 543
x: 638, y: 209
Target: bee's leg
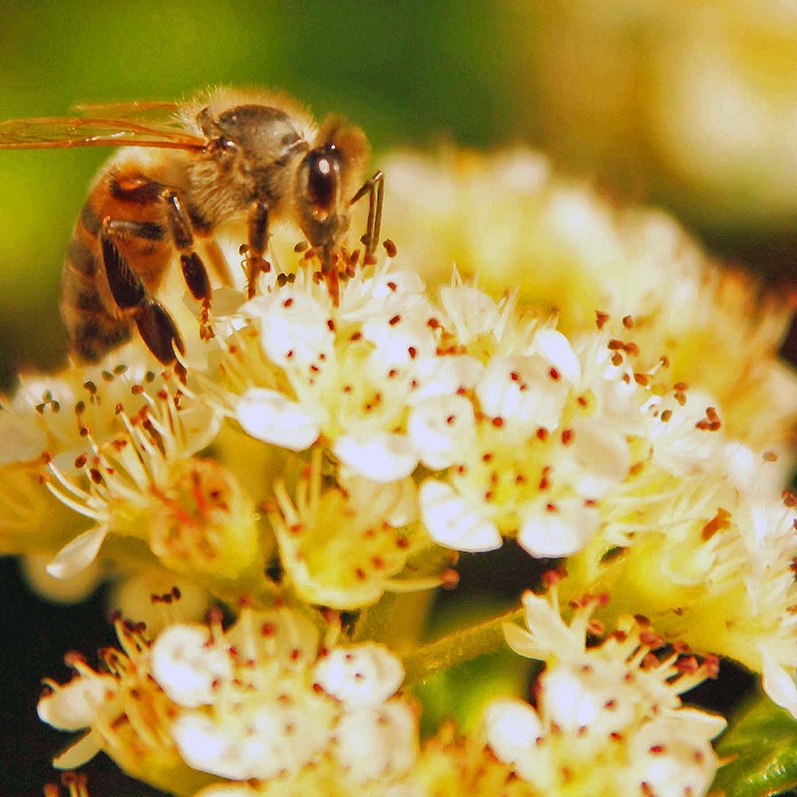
x: 194, y: 272
x: 156, y: 326
x: 255, y: 248
x: 375, y: 188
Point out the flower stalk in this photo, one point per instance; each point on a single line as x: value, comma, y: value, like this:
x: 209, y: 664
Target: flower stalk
x: 456, y: 647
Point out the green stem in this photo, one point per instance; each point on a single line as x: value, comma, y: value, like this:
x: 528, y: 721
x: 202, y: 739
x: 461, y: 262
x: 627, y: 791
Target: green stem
x: 397, y: 620
x: 458, y: 646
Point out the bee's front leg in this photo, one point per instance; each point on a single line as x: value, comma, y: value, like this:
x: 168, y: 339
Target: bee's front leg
x: 375, y: 188
x: 255, y: 248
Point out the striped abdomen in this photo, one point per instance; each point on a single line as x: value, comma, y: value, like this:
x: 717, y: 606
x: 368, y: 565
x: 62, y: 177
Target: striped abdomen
x: 122, y: 193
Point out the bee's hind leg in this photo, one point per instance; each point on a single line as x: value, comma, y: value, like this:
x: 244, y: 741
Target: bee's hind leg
x: 157, y: 328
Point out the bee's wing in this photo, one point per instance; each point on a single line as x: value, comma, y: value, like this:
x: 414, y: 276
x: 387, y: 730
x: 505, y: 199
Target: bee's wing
x: 56, y: 132
x: 156, y: 114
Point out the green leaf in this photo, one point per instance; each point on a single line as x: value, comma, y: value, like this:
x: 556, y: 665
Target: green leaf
x: 761, y: 744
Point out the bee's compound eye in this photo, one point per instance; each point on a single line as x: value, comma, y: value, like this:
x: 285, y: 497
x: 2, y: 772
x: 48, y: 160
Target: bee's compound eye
x: 322, y: 175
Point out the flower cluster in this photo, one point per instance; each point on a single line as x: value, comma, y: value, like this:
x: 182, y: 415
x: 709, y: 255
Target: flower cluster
x: 316, y: 468
x: 258, y: 700
x: 268, y: 710
x: 608, y: 719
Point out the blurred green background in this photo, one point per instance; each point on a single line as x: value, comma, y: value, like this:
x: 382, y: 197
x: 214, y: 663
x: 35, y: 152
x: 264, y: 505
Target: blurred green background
x: 410, y: 73
x: 688, y: 104
x: 587, y: 81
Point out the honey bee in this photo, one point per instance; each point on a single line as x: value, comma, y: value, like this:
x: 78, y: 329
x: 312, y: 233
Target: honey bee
x: 248, y: 159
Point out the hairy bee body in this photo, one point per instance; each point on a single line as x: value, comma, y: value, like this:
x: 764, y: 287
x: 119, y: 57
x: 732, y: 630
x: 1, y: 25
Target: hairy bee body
x: 241, y: 160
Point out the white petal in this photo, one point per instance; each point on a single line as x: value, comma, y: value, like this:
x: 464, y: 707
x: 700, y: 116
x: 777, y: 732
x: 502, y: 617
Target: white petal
x: 200, y: 425
x: 400, y: 330
x: 444, y: 376
x: 80, y: 753
x: 441, y: 429
x: 226, y: 302
x: 579, y: 693
x: 701, y: 723
x: 556, y: 348
x: 511, y: 728
x: 450, y: 521
x: 522, y: 642
x: 293, y: 327
x: 74, y: 705
x: 603, y: 456
x: 360, y: 676
x: 471, y: 311
x: 396, y: 502
x: 671, y: 756
x: 521, y: 390
x: 22, y: 439
x: 376, y: 743
x: 547, y: 633
x: 778, y: 683
x: 78, y: 554
x: 680, y: 446
x: 186, y: 667
x: 274, y: 418
x: 380, y: 456
x: 398, y: 284
x: 60, y: 590
x: 205, y: 746
x: 559, y: 532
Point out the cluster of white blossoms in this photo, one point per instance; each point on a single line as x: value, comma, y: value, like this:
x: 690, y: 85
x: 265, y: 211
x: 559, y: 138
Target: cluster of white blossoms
x: 318, y: 465
x: 608, y: 719
x: 264, y: 708
x: 260, y: 700
x: 517, y: 430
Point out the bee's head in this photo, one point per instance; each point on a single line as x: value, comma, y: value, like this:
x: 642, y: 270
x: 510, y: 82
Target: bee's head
x: 251, y: 147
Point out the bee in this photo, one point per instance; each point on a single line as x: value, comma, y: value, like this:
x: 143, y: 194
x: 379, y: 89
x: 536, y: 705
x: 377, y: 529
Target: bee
x: 246, y: 159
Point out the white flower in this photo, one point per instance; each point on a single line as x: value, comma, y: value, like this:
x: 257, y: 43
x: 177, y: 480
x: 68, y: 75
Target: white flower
x: 454, y: 521
x: 557, y: 528
x: 345, y: 374
x: 272, y: 417
x: 360, y: 676
x: 145, y: 482
x: 513, y: 730
x: 672, y: 754
x: 608, y: 719
x: 75, y: 705
x: 443, y: 430
x: 345, y: 546
x: 187, y: 666
x: 683, y: 430
x: 529, y: 452
x: 377, y: 742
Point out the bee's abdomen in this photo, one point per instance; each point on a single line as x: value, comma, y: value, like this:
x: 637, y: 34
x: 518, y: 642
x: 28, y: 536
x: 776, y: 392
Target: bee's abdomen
x: 92, y: 326
x: 94, y: 322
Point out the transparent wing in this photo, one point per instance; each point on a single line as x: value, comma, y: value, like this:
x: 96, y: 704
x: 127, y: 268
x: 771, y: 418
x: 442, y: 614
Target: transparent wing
x: 153, y: 114
x: 56, y: 132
